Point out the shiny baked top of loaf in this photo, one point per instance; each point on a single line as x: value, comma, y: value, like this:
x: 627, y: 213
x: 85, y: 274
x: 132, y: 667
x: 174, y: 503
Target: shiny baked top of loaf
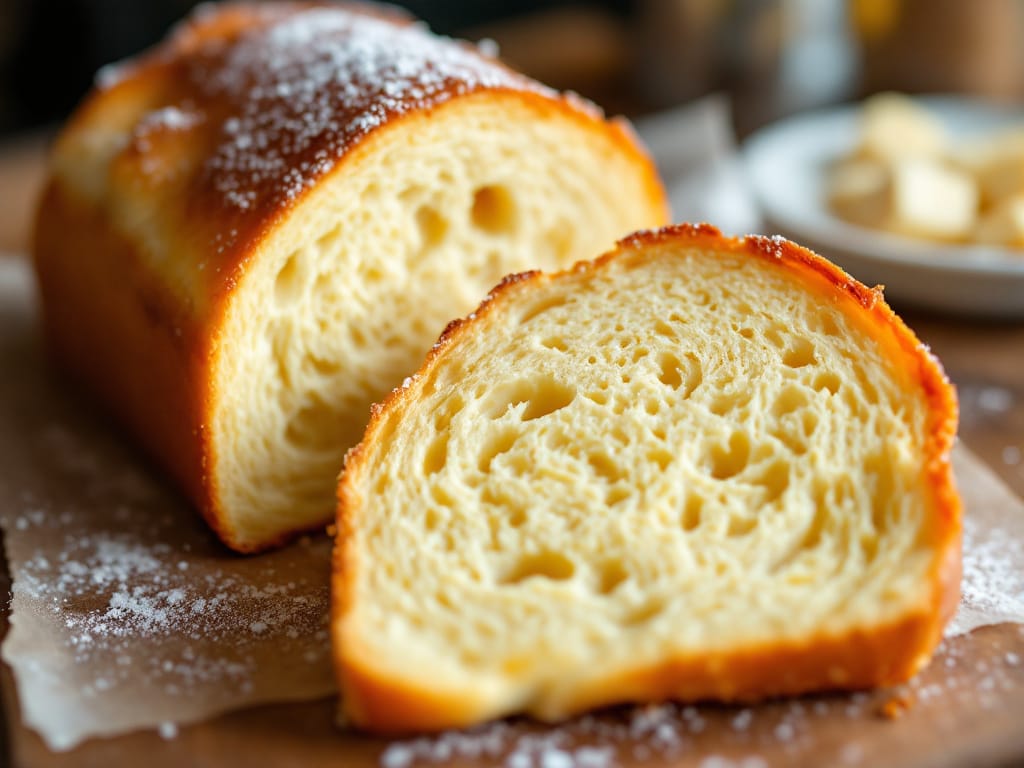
x: 246, y: 106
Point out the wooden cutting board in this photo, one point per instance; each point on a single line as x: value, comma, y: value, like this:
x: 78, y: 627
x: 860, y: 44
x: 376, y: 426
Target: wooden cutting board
x: 966, y: 709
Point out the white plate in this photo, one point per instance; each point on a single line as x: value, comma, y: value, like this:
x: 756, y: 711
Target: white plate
x: 786, y: 163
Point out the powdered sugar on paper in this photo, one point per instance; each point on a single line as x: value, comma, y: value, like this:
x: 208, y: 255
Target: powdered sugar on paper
x: 992, y: 588
x: 126, y: 612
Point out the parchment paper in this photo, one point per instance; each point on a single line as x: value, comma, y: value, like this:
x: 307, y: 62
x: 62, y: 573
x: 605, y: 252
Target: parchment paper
x: 128, y: 614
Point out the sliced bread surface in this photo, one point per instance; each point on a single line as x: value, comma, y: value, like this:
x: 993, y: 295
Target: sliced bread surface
x: 696, y: 468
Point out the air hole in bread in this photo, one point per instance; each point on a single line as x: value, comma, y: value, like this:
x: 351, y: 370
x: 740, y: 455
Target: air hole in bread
x: 616, y: 495
x: 290, y: 282
x: 684, y: 375
x: 828, y: 326
x: 443, y: 416
x: 644, y: 612
x: 693, y: 510
x: 791, y: 398
x: 437, y: 454
x: 790, y: 434
x: 746, y: 333
x: 701, y: 298
x: 774, y: 478
x: 726, y: 402
x: 776, y: 336
x: 869, y: 546
x: 799, y: 354
x: 545, y: 564
x: 532, y: 398
x: 517, y: 517
x: 661, y: 328
x: 548, y: 398
x: 728, y: 461
x: 600, y: 397
x: 611, y: 575
x: 826, y: 380
x: 541, y: 307
x: 493, y: 210
x: 320, y: 366
x: 433, y: 227
x: 740, y: 525
x: 432, y: 519
x: 495, y: 446
x: 652, y: 406
x: 661, y: 457
x: 816, y: 528
x: 556, y: 343
x: 669, y: 374
x: 809, y: 423
x: 605, y: 467
x: 441, y: 496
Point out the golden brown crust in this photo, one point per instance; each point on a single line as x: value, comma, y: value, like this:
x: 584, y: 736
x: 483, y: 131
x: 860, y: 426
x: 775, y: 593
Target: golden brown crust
x: 148, y: 343
x: 859, y: 659
x: 264, y: 143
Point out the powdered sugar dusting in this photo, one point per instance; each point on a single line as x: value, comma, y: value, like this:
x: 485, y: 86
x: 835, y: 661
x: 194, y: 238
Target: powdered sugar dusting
x: 992, y: 589
x: 307, y: 87
x: 126, y: 613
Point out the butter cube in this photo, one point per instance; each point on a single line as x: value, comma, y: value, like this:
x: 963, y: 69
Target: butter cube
x: 929, y: 199
x: 893, y: 127
x: 914, y: 197
x: 1004, y: 224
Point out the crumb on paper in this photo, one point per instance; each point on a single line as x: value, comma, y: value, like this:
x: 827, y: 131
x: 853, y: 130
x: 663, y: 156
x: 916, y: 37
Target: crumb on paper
x: 896, y: 706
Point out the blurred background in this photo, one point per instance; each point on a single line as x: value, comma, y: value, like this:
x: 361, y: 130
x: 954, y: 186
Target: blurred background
x: 632, y: 56
x: 762, y: 60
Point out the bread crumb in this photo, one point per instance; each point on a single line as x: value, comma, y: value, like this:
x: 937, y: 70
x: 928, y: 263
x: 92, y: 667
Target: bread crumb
x: 896, y: 706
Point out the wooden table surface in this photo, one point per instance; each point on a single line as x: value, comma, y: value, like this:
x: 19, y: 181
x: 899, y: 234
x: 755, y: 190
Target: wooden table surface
x: 984, y: 359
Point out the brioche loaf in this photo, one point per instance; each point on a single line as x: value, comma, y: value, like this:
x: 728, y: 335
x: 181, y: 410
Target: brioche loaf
x: 257, y: 229
x: 696, y: 468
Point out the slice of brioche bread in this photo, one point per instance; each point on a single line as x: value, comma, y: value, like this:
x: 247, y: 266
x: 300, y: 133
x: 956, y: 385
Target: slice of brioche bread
x: 258, y: 229
x: 695, y: 468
